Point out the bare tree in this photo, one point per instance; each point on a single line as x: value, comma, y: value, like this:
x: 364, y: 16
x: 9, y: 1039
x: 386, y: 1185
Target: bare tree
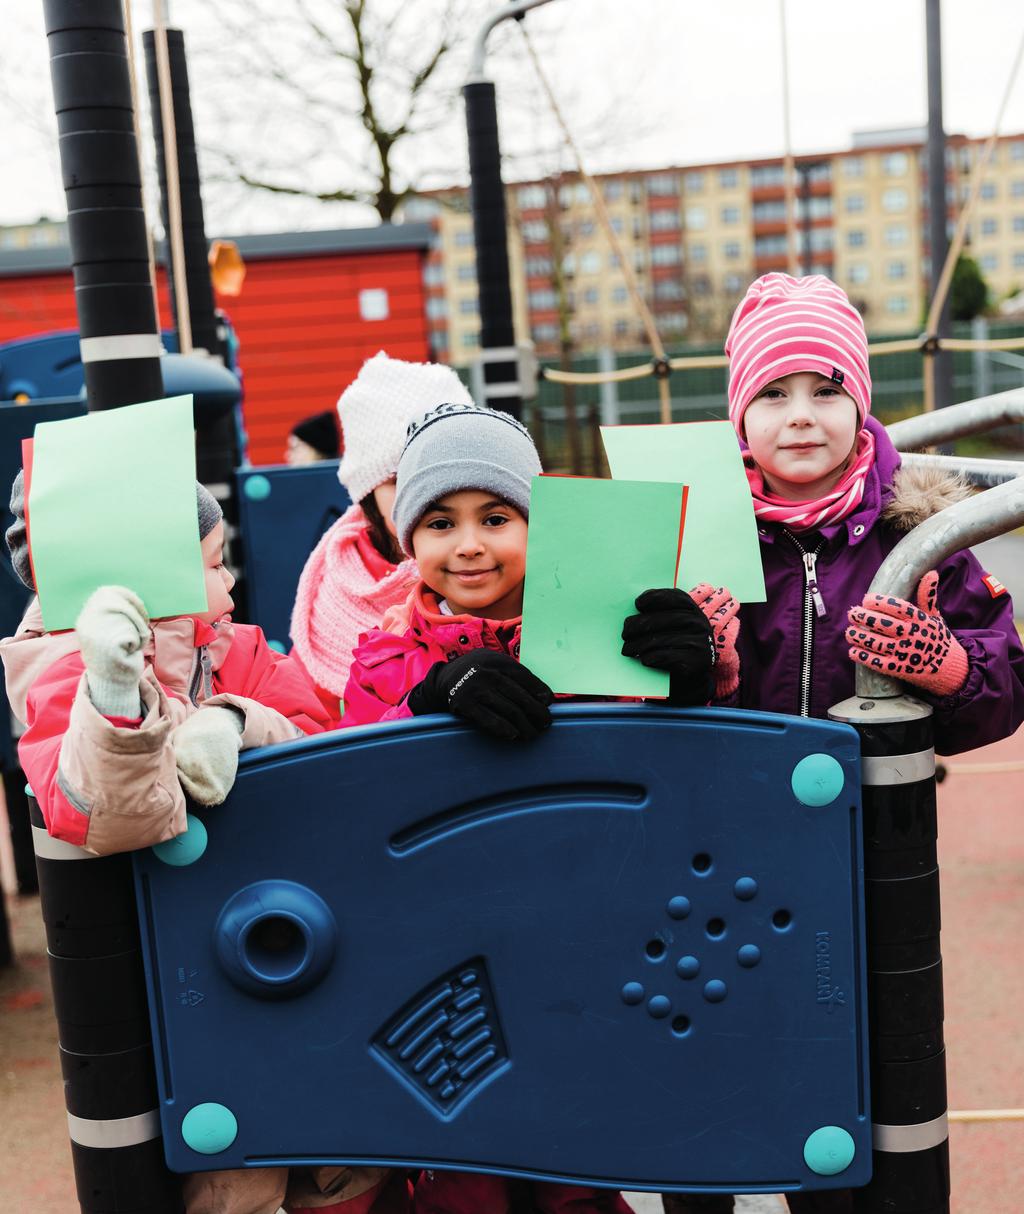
x: 320, y: 99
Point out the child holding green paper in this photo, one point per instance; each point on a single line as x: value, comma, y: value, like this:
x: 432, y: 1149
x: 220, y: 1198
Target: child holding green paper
x: 462, y: 508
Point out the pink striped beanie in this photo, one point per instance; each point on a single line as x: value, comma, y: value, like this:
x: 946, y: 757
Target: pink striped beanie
x: 784, y: 325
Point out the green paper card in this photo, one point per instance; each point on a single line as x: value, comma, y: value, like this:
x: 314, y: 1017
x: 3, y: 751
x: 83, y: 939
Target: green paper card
x: 721, y: 532
x: 593, y: 546
x: 112, y: 500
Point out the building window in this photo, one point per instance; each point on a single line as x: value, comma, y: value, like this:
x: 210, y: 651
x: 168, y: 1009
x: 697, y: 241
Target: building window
x: 894, y: 200
x: 465, y: 271
x: 673, y: 322
x: 853, y: 166
x: 612, y: 190
x: 1018, y: 223
x: 621, y: 328
x: 816, y: 207
x: 894, y: 164
x: 696, y: 218
x: 617, y: 224
x: 896, y: 235
x: 858, y: 272
x: 694, y: 183
x: 469, y: 306
x: 542, y: 300
x: 1017, y: 188
x: 697, y: 253
x: 569, y: 265
x: 854, y: 203
x: 666, y: 255
x: 535, y: 232
x: 728, y: 179
x: 1017, y: 150
x: 591, y: 295
x: 770, y: 212
x: 989, y: 226
x: 576, y: 192
x: 619, y: 294
x: 669, y: 288
x: 437, y: 307
x: 730, y: 214
x: 663, y: 185
x: 767, y: 175
x: 896, y: 270
x: 989, y: 262
x: 1018, y: 261
x: 770, y: 246
x: 856, y: 238
x: 636, y: 190
x: 464, y: 238
x: 532, y: 197
x: 897, y: 305
x: 664, y: 221
x: 590, y: 262
x: 988, y: 190
x: 702, y: 285
x: 433, y: 274
x: 731, y: 250
x: 538, y: 267
x: 544, y: 334
x: 733, y: 283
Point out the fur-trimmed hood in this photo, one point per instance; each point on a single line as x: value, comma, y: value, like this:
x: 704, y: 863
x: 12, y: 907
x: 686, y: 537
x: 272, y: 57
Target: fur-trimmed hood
x: 919, y: 492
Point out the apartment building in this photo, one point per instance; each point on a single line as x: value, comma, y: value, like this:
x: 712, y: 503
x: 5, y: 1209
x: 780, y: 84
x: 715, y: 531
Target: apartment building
x: 696, y: 235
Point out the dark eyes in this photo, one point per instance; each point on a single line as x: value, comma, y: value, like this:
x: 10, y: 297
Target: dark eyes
x: 495, y: 520
x: 440, y: 524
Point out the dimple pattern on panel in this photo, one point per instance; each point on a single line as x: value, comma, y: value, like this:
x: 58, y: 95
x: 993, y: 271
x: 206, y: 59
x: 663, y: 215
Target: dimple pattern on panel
x: 446, y: 1042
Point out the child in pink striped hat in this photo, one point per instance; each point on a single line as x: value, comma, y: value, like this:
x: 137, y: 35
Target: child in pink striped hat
x: 831, y: 501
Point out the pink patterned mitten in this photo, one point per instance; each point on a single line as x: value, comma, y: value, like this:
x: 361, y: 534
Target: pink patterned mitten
x: 914, y: 644
x: 721, y: 609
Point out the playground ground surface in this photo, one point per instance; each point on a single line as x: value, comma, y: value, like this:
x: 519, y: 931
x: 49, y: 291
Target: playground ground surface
x: 981, y: 851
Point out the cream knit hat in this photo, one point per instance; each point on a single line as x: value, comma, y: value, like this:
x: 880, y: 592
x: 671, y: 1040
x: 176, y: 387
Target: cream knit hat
x: 377, y: 407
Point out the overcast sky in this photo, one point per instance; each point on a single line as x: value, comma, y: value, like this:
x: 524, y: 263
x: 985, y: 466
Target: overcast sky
x: 689, y: 82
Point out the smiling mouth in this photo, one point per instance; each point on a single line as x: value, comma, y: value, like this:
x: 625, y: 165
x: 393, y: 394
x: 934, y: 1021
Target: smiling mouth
x: 469, y: 575
x: 803, y: 446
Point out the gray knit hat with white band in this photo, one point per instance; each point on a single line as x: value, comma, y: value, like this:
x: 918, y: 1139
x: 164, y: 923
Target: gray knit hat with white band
x: 207, y: 509
x: 454, y: 447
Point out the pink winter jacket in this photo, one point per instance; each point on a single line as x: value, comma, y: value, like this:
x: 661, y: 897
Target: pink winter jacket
x: 110, y: 785
x: 389, y: 661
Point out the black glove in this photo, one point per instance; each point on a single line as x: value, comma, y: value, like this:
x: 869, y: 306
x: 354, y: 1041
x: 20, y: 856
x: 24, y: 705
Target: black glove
x: 491, y: 690
x: 672, y: 633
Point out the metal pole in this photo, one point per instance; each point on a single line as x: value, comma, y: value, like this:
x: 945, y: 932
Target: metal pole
x: 499, y: 357
x: 901, y: 888
x: 88, y: 904
x: 942, y: 360
x: 807, y: 257
x: 958, y: 421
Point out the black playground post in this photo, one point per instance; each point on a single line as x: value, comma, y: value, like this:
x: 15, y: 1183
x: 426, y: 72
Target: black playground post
x: 905, y: 1010
x: 487, y: 200
x: 88, y: 903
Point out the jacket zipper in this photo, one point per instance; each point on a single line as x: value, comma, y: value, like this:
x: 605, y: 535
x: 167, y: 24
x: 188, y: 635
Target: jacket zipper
x: 814, y: 607
x: 200, y: 678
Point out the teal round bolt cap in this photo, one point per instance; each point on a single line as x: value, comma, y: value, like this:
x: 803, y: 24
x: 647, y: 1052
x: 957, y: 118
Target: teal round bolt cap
x: 209, y: 1128
x: 28, y: 791
x: 829, y: 1150
x: 817, y: 780
x: 278, y: 646
x: 186, y: 848
x: 257, y: 488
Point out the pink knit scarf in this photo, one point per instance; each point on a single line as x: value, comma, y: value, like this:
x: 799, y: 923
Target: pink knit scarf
x: 341, y: 595
x: 810, y: 515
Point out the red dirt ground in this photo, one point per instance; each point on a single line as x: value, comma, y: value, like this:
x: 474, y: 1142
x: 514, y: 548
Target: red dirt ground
x: 982, y: 857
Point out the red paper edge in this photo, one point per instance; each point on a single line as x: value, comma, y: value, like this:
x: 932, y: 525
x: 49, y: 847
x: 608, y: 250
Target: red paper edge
x: 26, y: 463
x: 682, y: 527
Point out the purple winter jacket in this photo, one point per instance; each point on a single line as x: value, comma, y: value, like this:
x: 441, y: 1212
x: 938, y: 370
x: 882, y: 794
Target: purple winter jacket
x: 775, y: 673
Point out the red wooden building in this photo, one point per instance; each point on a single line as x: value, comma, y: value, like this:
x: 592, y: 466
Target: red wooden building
x: 313, y: 307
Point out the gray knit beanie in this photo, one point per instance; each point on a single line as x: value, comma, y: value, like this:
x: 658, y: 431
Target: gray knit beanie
x: 455, y: 447
x: 207, y: 508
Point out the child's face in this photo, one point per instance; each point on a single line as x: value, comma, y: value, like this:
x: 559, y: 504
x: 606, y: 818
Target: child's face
x: 218, y: 580
x: 471, y: 550
x: 800, y: 430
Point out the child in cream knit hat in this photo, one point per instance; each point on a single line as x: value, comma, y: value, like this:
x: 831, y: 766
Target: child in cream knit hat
x: 358, y: 571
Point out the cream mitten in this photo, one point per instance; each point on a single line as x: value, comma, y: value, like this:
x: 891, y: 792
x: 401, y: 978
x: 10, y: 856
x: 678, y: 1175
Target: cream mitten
x: 206, y: 750
x: 112, y: 630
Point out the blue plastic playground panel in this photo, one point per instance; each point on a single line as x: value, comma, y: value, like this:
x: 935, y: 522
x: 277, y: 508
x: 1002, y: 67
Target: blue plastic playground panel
x: 283, y: 513
x: 628, y: 954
